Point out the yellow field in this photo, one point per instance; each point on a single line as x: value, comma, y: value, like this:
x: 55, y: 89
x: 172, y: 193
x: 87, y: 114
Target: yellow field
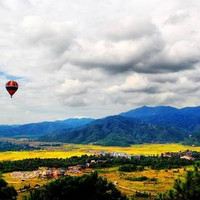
x: 19, y: 155
x: 165, y: 179
x: 17, y: 183
x: 141, y: 149
x: 68, y: 150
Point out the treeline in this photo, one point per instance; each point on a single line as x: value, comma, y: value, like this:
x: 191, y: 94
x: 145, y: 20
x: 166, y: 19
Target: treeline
x: 9, y: 146
x: 125, y: 164
x: 138, y: 164
x: 85, y: 187
x: 50, y: 145
x: 33, y: 164
x: 130, y: 168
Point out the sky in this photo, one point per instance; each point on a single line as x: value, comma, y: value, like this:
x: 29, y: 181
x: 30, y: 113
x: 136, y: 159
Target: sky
x: 91, y: 58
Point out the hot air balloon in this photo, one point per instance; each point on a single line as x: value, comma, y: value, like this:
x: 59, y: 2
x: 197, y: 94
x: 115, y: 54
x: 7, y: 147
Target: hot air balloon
x: 11, y: 87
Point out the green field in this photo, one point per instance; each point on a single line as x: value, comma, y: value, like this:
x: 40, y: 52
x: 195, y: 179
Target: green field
x: 68, y: 150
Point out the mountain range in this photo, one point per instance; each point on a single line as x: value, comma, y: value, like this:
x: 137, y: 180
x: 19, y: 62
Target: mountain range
x: 35, y: 130
x: 159, y: 124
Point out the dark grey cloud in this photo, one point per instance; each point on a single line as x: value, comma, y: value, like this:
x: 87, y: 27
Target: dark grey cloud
x: 152, y: 57
x: 120, y: 56
x: 164, y: 78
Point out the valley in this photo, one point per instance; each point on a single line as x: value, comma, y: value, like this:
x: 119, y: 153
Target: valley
x: 156, y: 180
x: 142, y: 151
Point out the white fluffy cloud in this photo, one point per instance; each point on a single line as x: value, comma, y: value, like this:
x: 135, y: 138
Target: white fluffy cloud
x: 95, y: 58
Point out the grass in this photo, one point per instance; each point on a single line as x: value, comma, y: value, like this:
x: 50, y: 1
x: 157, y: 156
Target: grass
x: 68, y: 150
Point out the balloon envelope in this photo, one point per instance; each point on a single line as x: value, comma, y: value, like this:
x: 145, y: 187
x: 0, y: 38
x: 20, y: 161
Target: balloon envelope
x: 11, y: 87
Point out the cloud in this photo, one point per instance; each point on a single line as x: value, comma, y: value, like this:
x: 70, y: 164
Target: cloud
x: 142, y: 56
x: 54, y: 36
x: 115, y: 57
x: 130, y: 28
x: 134, y: 83
x: 75, y: 58
x: 177, y: 17
x: 72, y: 87
x: 143, y: 49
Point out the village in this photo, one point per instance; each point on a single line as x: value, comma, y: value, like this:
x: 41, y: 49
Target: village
x: 188, y: 155
x: 53, y: 173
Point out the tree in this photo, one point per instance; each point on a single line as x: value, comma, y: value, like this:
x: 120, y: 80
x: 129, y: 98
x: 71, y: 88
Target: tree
x: 85, y: 187
x: 6, y: 192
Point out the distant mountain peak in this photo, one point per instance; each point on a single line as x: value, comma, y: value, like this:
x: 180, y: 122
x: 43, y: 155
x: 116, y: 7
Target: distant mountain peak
x: 148, y: 111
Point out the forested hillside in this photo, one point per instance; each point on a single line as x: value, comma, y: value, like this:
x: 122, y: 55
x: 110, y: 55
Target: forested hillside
x: 9, y: 146
x: 188, y: 119
x: 160, y: 124
x: 118, y: 131
x: 34, y: 130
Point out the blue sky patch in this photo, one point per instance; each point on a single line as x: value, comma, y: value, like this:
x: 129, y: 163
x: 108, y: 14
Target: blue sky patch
x: 10, y: 77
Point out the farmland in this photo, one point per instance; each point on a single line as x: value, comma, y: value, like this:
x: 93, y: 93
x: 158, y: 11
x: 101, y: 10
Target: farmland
x: 18, y: 183
x: 164, y: 179
x: 68, y: 150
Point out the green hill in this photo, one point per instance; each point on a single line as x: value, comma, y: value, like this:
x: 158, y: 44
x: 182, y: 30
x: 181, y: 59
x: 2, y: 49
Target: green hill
x: 118, y: 131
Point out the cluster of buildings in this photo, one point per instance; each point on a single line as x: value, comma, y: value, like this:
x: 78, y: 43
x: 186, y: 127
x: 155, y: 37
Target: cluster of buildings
x: 55, y: 173
x: 188, y: 155
x: 118, y: 155
x: 52, y: 173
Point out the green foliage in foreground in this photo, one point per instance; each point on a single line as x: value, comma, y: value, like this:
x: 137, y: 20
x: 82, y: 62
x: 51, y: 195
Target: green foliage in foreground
x: 187, y: 190
x: 6, y: 192
x: 90, y: 187
x: 142, y: 194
